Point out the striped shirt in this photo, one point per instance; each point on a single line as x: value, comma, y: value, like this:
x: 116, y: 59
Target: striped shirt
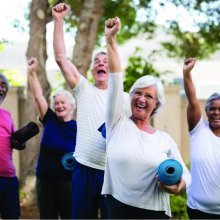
x: 91, y: 104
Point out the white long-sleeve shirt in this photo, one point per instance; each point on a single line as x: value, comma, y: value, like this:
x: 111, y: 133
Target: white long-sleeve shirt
x: 133, y: 156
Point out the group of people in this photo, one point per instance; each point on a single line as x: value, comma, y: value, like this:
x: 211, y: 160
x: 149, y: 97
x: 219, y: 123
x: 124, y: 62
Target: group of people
x: 116, y: 175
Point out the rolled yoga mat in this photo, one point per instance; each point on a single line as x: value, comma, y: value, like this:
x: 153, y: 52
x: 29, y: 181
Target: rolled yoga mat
x: 25, y: 133
x: 68, y: 161
x: 170, y: 171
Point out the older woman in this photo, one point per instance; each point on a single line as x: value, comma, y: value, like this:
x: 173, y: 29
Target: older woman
x: 53, y: 184
x: 203, y: 196
x: 134, y: 148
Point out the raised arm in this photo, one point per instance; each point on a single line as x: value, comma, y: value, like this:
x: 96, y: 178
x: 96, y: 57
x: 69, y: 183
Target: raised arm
x: 112, y: 27
x: 36, y: 88
x: 193, y: 109
x: 114, y: 106
x: 68, y: 69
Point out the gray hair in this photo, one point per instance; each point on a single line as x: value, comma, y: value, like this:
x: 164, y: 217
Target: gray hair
x: 6, y: 81
x: 147, y: 81
x: 211, y: 98
x: 72, y: 100
x: 100, y: 52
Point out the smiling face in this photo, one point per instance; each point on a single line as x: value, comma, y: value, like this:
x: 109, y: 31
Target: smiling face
x: 62, y: 107
x: 100, y: 69
x: 3, y: 90
x: 213, y: 114
x: 141, y: 106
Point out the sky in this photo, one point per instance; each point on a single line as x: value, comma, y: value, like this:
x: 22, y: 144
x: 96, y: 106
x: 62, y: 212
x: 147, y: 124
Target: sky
x: 15, y: 9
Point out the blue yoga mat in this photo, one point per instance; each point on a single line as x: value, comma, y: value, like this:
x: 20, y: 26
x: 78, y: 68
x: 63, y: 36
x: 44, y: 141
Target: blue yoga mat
x: 102, y: 129
x: 68, y: 161
x: 170, y: 171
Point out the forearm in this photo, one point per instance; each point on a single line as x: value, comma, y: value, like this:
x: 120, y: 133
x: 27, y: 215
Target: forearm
x: 189, y: 89
x: 58, y: 41
x: 114, y: 64
x: 35, y: 85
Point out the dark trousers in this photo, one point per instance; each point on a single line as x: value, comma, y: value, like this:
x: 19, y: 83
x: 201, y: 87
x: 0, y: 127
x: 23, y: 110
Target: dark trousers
x: 119, y: 210
x: 54, y: 199
x: 87, y: 199
x: 9, y: 198
x: 197, y: 214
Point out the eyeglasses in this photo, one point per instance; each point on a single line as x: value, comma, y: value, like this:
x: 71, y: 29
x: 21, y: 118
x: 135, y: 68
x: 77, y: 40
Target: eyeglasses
x: 146, y: 96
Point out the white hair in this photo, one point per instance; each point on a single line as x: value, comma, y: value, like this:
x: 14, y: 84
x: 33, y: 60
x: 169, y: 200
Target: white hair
x: 145, y: 82
x: 211, y: 98
x: 72, y: 100
x: 6, y: 81
x: 100, y: 52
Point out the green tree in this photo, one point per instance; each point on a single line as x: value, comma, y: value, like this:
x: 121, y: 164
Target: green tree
x: 138, y: 67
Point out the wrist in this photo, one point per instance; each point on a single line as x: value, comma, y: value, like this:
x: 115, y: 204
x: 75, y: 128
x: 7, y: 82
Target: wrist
x: 110, y: 40
x: 58, y: 19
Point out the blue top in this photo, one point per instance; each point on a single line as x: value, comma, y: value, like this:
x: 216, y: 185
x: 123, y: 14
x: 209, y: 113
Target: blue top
x: 58, y: 139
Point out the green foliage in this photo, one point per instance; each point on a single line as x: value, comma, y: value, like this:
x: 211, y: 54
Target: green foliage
x: 59, y: 82
x: 138, y: 67
x: 2, y: 44
x: 178, y: 204
x: 13, y: 77
x: 22, y: 194
x: 186, y: 44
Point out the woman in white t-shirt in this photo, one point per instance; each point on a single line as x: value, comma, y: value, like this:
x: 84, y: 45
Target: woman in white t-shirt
x: 134, y: 148
x: 203, y: 196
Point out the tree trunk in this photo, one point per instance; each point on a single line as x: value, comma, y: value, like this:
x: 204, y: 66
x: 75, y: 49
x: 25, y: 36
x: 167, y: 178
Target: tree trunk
x: 87, y: 34
x: 36, y: 48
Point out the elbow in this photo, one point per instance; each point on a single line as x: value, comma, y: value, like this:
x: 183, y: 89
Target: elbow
x: 58, y: 61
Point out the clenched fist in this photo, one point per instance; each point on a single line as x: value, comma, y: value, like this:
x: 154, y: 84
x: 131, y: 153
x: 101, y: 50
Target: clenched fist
x: 188, y: 65
x: 32, y: 64
x: 112, y: 27
x: 60, y: 11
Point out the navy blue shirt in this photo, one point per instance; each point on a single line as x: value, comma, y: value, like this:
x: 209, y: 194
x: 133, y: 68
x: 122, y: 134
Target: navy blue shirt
x: 58, y: 139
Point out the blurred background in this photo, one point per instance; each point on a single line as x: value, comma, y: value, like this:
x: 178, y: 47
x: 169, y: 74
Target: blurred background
x: 155, y: 38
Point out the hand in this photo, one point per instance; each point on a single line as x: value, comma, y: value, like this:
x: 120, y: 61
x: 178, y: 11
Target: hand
x: 16, y: 145
x: 174, y: 189
x: 112, y: 27
x: 188, y: 65
x: 32, y: 64
x: 60, y: 11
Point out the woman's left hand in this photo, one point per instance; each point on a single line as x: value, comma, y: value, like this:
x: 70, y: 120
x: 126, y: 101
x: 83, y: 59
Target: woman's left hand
x: 173, y: 189
x: 16, y: 145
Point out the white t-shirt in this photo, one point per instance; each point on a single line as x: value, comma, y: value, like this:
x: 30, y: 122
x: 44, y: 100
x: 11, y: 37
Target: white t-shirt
x: 90, y: 145
x: 204, y: 192
x: 133, y: 157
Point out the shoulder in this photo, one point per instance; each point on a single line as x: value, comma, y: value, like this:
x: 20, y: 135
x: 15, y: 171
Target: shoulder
x: 5, y: 112
x: 201, y: 126
x: 82, y: 84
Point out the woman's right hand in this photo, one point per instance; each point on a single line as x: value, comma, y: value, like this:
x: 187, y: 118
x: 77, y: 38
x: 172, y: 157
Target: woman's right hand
x: 32, y: 64
x: 112, y: 27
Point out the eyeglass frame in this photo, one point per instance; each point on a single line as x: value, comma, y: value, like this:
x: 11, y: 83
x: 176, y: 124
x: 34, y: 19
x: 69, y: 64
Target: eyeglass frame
x: 149, y: 97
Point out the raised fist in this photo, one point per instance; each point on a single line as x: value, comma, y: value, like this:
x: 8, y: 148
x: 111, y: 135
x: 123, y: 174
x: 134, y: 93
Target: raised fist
x: 112, y: 27
x: 60, y: 11
x: 32, y: 64
x: 188, y: 65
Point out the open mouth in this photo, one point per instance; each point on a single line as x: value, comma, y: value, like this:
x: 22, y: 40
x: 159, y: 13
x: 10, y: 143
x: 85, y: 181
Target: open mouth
x: 216, y: 119
x: 1, y: 93
x: 140, y: 106
x: 101, y: 71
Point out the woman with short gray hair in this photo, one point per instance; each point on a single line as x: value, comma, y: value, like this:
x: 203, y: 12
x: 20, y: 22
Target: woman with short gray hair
x: 54, y: 181
x: 203, y: 195
x: 135, y: 149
